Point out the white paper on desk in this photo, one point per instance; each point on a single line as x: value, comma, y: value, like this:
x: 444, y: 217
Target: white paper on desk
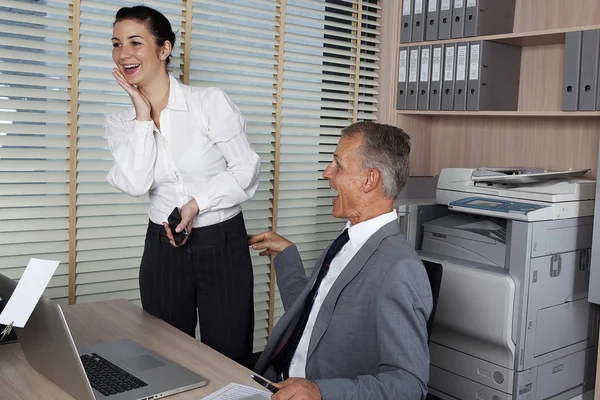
x: 30, y: 288
x: 235, y: 391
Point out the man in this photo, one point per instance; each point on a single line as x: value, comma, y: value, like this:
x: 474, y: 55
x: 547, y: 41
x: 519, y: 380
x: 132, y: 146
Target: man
x: 357, y: 328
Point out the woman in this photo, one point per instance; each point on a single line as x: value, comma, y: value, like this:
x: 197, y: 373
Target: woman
x: 186, y: 147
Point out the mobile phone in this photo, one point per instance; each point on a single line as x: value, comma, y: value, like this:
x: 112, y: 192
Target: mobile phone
x: 174, y: 220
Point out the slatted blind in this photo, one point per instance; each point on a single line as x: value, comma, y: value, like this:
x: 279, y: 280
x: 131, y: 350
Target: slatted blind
x: 366, y: 105
x: 34, y: 142
x: 233, y: 48
x: 111, y: 225
x: 321, y: 95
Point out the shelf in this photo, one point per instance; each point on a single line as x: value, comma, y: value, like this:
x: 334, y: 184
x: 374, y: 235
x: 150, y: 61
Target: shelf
x: 534, y: 38
x: 525, y: 114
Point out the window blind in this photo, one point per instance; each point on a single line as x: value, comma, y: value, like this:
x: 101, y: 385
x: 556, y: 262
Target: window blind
x: 233, y: 47
x: 111, y: 225
x: 34, y: 137
x: 327, y: 43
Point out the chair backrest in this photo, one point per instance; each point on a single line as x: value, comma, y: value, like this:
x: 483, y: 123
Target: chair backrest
x: 434, y: 272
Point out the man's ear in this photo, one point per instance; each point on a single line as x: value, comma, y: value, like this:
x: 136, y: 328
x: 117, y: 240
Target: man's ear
x: 372, y: 181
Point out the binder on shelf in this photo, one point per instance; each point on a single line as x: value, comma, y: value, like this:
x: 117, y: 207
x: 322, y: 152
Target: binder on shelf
x: 489, y: 17
x: 435, y: 85
x: 413, y: 78
x: 445, y: 23
x: 588, y: 76
x: 460, y: 81
x: 433, y: 19
x: 572, y: 67
x: 406, y: 28
x: 458, y: 19
x: 402, y: 79
x: 424, y: 78
x: 493, y: 80
x: 597, y: 108
x: 418, y: 26
x: 448, y: 77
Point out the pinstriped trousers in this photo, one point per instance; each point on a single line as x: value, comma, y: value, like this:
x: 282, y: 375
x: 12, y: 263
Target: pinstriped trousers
x: 209, y: 279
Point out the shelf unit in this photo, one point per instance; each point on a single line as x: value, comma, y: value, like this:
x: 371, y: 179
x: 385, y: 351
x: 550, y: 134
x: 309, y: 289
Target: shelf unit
x: 538, y: 134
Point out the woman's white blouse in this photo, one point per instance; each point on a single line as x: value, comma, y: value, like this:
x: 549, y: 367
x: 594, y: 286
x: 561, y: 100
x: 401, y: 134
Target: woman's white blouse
x: 200, y: 152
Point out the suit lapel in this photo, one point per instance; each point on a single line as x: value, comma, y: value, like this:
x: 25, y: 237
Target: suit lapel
x: 352, y: 269
x: 283, y: 329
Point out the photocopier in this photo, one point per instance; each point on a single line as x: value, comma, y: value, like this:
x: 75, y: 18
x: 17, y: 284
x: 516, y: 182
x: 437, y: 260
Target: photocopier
x: 512, y: 319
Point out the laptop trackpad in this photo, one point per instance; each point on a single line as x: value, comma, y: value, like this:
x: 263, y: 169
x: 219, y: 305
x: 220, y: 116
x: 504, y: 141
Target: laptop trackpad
x: 142, y: 363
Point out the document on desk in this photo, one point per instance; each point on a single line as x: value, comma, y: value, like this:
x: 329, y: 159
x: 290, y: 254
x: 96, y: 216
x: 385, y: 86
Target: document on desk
x: 235, y: 391
x: 30, y: 288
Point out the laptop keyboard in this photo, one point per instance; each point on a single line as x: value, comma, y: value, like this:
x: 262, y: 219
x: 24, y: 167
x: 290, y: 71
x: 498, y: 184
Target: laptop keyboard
x: 106, y: 377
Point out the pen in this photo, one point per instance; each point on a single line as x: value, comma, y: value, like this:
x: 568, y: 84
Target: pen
x: 264, y: 383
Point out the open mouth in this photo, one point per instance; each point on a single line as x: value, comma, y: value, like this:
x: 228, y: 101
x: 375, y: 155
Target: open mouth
x: 336, y: 197
x: 131, y: 68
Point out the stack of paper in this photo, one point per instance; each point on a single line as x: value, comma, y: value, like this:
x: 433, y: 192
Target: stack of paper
x: 235, y: 391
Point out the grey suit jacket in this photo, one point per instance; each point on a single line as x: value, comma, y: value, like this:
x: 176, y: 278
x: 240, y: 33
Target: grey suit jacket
x: 370, y: 337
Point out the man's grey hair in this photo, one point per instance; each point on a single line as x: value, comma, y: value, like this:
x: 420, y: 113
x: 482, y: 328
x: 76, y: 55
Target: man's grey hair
x: 385, y: 148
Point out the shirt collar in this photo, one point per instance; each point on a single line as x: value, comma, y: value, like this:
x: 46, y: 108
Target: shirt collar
x: 176, y: 96
x: 361, y: 232
x: 176, y: 100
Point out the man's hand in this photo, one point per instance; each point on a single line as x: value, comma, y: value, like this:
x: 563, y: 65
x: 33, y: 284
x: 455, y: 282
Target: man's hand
x: 188, y: 213
x: 298, y: 389
x: 272, y: 242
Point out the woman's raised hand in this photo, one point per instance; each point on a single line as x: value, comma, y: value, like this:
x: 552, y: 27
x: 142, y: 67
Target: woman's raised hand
x: 140, y: 102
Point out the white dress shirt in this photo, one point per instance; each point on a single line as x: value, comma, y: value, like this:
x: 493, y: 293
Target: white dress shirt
x: 359, y: 234
x: 201, y: 151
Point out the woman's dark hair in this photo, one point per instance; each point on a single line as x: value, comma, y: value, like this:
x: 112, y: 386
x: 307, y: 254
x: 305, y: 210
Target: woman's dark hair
x: 155, y: 21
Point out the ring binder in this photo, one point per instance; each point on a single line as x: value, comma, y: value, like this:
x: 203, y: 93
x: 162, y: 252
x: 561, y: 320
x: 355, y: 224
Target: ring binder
x: 435, y: 85
x: 433, y: 20
x: 572, y: 68
x: 407, y: 21
x: 418, y: 24
x: 458, y: 19
x: 402, y: 80
x: 445, y: 22
x: 588, y: 75
x: 424, y: 78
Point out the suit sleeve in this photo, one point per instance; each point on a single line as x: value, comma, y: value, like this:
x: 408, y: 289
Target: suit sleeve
x: 291, y: 277
x: 403, y: 307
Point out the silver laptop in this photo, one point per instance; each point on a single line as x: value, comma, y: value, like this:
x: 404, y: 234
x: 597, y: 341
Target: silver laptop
x: 118, y: 370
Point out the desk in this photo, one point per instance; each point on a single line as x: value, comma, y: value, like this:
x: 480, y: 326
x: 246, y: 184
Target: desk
x: 92, y: 323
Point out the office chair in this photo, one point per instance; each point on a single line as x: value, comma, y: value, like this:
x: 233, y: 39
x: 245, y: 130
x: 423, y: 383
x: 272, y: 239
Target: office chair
x: 434, y: 273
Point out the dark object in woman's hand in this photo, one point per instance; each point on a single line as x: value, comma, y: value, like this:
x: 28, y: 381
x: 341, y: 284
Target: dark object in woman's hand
x: 174, y: 220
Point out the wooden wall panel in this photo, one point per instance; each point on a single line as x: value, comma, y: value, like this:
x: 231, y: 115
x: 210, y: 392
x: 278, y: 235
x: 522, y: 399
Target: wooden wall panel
x: 419, y: 130
x: 540, y: 86
x: 388, y: 65
x: 531, y: 15
x: 552, y: 143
